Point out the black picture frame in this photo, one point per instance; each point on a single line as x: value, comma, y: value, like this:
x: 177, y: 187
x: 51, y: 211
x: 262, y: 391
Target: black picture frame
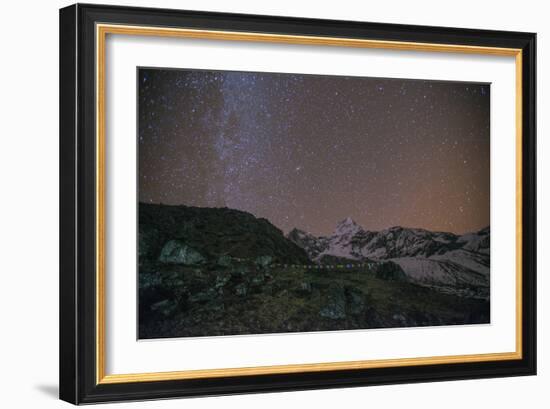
x: 78, y: 237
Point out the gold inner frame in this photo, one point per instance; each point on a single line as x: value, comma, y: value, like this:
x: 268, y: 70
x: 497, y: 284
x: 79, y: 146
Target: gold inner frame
x: 101, y: 32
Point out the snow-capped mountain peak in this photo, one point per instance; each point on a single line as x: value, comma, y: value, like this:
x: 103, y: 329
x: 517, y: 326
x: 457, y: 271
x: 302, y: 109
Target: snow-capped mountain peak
x: 347, y: 226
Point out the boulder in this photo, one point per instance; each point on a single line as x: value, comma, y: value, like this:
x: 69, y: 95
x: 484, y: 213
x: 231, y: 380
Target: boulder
x: 263, y: 261
x: 177, y: 252
x: 400, y: 319
x: 221, y: 280
x: 203, y: 296
x: 165, y: 307
x: 356, y: 301
x: 241, y: 289
x: 335, y: 307
x: 258, y: 279
x: 224, y: 261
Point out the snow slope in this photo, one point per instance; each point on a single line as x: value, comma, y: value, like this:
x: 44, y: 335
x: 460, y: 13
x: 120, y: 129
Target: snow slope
x: 446, y: 260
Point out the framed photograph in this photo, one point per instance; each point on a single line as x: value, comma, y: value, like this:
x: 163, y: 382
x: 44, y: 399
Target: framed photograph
x: 257, y: 203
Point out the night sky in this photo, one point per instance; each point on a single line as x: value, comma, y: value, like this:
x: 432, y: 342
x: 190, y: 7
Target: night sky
x: 307, y: 151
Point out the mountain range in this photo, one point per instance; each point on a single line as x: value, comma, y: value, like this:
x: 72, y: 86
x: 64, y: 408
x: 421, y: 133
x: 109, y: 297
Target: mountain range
x: 453, y: 263
x: 221, y: 271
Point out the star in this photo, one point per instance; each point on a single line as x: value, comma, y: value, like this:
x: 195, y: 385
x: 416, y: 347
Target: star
x: 308, y: 150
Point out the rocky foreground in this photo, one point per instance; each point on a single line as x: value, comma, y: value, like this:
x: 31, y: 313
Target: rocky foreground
x: 208, y: 272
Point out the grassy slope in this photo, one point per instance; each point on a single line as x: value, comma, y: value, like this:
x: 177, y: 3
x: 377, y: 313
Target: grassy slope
x: 178, y: 301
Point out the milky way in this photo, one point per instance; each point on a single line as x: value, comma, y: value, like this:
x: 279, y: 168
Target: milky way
x: 307, y: 151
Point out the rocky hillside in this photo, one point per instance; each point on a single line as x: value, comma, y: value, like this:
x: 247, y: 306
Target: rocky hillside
x: 242, y: 297
x: 192, y: 235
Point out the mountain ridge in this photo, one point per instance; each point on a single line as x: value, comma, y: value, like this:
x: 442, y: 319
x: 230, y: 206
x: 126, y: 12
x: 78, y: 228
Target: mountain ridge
x: 221, y: 271
x: 451, y: 262
x: 214, y: 233
x: 350, y: 234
